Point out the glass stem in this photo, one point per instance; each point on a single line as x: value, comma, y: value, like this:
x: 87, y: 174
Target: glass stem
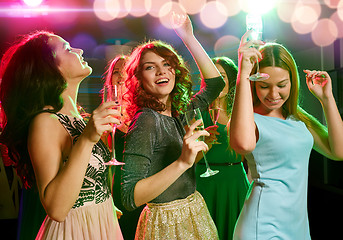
x: 205, y: 159
x: 257, y: 67
x: 113, y: 136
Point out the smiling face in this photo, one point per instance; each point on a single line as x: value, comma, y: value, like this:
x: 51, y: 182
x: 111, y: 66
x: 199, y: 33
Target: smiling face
x: 118, y: 75
x: 273, y: 92
x: 158, y: 77
x: 69, y: 60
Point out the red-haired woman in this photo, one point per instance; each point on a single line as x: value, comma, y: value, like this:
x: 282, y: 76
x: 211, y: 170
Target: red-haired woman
x: 159, y: 154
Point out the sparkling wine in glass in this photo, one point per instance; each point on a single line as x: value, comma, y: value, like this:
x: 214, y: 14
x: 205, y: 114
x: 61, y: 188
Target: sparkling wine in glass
x: 113, y: 93
x: 214, y: 114
x: 254, y: 23
x: 191, y: 117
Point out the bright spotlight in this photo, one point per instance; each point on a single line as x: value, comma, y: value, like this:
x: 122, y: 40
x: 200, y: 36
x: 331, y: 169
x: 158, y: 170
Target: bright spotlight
x: 33, y: 3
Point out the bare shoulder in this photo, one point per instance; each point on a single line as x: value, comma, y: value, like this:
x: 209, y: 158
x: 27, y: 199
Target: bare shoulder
x: 45, y: 121
x: 46, y: 127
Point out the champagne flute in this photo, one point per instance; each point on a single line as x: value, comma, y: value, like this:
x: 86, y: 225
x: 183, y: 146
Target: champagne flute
x: 113, y: 93
x: 191, y: 117
x: 214, y: 111
x: 254, y: 23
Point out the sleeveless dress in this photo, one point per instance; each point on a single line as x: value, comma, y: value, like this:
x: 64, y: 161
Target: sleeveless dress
x: 225, y: 192
x: 276, y: 206
x: 93, y: 215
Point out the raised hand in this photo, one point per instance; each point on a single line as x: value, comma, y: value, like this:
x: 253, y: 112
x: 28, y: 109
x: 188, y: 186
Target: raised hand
x: 248, y: 54
x: 319, y: 83
x: 182, y: 25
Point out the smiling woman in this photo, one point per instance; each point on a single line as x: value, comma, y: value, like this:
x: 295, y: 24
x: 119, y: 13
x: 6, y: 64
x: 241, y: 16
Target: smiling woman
x: 158, y: 75
x: 273, y: 92
x: 159, y: 154
x: 50, y: 143
x: 164, y: 74
x: 276, y: 136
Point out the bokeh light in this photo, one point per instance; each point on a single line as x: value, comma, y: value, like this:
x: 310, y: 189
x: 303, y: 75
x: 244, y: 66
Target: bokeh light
x: 285, y: 10
x: 340, y: 9
x: 106, y: 10
x: 306, y: 14
x: 227, y: 46
x: 155, y: 6
x: 331, y: 3
x: 339, y: 24
x: 192, y: 8
x: 138, y: 8
x: 305, y: 17
x: 324, y: 33
x: 302, y: 28
x: 123, y: 7
x: 214, y: 14
x: 232, y: 7
x: 166, y: 12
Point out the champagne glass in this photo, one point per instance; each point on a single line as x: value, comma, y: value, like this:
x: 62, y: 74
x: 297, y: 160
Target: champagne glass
x: 113, y: 93
x: 191, y: 117
x: 254, y: 23
x: 214, y: 111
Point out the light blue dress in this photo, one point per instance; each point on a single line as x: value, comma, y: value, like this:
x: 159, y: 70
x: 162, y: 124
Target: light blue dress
x: 276, y: 204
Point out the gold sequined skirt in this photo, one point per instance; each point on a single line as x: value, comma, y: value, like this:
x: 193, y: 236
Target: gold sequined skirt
x: 183, y: 219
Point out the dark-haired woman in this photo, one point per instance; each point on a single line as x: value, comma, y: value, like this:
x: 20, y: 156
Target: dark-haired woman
x: 225, y: 192
x: 159, y: 154
x: 49, y: 141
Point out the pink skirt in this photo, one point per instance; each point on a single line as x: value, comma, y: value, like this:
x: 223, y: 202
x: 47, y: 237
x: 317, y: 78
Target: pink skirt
x: 182, y: 219
x: 90, y: 222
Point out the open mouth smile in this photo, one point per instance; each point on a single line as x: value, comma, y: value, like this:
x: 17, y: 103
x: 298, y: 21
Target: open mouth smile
x: 162, y: 81
x: 273, y: 101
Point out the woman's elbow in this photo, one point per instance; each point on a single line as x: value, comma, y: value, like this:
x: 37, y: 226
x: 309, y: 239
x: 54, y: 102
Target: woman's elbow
x: 58, y: 215
x: 337, y: 157
x: 242, y: 147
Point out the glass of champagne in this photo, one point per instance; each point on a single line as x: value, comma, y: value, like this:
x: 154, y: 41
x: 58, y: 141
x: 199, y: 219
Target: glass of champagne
x: 191, y: 117
x: 113, y: 93
x: 254, y: 23
x: 214, y: 111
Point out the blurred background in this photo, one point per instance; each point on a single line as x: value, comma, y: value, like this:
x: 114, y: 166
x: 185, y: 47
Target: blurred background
x: 311, y: 29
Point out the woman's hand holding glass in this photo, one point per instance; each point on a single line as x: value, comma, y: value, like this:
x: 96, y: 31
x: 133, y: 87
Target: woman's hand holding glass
x: 195, y: 116
x: 101, y: 121
x: 113, y: 93
x: 248, y: 54
x: 255, y: 26
x: 191, y: 145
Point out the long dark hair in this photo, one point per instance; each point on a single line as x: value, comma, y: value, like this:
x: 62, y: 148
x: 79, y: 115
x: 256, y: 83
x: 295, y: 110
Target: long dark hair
x: 138, y: 98
x: 30, y: 80
x: 231, y: 71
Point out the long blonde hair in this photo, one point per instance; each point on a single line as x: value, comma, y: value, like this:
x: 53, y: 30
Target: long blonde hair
x: 276, y: 55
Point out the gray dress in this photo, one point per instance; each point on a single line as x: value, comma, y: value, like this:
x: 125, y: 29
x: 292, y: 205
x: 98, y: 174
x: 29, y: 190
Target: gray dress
x: 154, y: 141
